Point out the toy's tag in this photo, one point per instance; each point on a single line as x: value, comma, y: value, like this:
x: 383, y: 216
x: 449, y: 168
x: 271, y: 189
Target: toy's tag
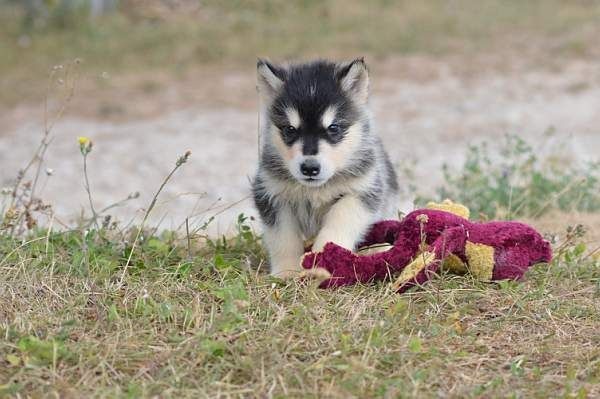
x: 374, y: 249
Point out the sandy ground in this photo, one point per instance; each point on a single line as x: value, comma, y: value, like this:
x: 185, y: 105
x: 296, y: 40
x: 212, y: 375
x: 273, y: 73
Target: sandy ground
x: 426, y: 110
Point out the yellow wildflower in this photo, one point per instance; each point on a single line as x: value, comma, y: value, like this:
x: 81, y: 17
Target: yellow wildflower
x: 85, y: 145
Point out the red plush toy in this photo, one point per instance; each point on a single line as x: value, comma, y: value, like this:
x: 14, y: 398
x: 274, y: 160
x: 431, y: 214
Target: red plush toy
x: 427, y: 239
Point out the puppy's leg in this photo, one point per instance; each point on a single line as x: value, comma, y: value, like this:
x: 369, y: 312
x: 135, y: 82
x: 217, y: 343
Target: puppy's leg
x: 345, y: 224
x: 284, y: 243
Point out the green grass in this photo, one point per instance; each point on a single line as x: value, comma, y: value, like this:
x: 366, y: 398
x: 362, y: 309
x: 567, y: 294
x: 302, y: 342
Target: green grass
x: 202, y: 318
x: 110, y: 312
x: 203, y: 321
x: 512, y: 180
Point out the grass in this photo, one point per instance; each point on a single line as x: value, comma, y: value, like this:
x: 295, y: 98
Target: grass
x: 230, y: 33
x: 202, y: 321
x: 106, y: 312
x: 511, y: 180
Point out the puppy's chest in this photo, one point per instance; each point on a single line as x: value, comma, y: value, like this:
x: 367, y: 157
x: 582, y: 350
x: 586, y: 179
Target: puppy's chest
x: 310, y: 216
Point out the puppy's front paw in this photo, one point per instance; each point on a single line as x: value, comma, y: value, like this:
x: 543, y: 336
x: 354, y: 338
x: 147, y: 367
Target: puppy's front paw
x: 323, y: 239
x: 286, y: 273
x: 320, y: 244
x: 338, y: 262
x: 318, y: 274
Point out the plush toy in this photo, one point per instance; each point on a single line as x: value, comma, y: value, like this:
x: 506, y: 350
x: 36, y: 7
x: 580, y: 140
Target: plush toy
x: 440, y: 236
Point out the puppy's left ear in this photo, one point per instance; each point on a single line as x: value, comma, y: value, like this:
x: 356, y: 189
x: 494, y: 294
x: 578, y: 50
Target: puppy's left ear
x: 270, y: 78
x: 354, y: 79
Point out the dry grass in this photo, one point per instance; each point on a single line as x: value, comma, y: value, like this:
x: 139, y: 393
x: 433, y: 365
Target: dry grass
x: 207, y: 322
x: 213, y: 327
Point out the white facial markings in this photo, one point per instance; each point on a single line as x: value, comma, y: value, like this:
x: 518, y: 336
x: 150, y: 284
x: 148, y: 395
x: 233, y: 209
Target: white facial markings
x: 296, y: 150
x: 338, y: 155
x: 330, y: 157
x: 328, y: 116
x: 293, y: 117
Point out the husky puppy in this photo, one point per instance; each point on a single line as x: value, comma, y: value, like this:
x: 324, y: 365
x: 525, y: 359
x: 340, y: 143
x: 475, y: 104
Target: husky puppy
x: 323, y: 174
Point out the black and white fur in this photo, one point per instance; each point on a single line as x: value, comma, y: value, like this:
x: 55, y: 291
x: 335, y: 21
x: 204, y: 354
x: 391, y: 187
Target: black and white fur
x: 322, y: 173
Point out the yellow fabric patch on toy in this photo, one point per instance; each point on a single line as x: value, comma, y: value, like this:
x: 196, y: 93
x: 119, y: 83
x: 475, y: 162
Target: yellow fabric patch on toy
x: 450, y: 207
x: 413, y: 268
x: 481, y: 260
x: 454, y: 264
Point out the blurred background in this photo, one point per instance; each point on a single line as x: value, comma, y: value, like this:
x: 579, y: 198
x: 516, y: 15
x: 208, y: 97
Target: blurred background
x: 518, y: 82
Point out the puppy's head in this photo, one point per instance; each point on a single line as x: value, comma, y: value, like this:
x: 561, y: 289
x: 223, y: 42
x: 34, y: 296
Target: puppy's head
x: 316, y: 115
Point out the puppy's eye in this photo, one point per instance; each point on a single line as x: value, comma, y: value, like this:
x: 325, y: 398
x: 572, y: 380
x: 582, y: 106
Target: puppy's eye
x: 334, y: 129
x: 289, y: 131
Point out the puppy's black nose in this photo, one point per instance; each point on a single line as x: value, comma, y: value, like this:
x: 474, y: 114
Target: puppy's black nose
x: 310, y: 168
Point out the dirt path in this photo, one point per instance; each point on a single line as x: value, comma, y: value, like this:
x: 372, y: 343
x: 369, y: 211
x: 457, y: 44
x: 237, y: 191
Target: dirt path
x: 427, y: 112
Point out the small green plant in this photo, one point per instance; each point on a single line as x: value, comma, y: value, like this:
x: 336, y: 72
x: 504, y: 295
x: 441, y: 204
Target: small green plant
x: 244, y: 249
x: 42, y: 352
x: 513, y: 181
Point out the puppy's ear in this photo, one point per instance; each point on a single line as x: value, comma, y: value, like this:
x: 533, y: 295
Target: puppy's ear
x: 270, y: 78
x: 354, y: 79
